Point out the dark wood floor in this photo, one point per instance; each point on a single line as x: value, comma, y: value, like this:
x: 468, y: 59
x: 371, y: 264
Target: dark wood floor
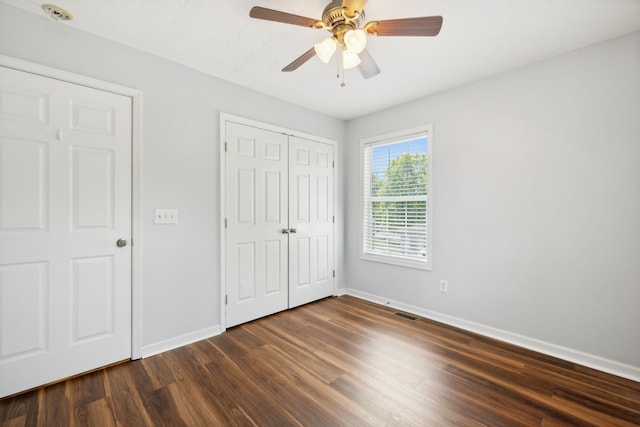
x: 338, y: 362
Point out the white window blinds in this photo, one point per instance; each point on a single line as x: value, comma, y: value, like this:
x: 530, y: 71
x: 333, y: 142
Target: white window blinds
x: 396, y: 222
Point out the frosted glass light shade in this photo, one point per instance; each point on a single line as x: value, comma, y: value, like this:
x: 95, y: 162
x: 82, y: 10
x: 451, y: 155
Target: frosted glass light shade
x: 325, y: 49
x: 350, y: 59
x: 355, y: 40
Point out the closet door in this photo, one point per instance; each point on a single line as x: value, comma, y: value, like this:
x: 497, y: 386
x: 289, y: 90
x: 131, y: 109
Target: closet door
x: 65, y: 200
x: 279, y: 222
x: 311, y: 216
x: 256, y: 215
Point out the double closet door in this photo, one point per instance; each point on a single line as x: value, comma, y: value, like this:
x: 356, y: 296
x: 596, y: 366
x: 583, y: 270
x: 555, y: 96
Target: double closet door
x: 279, y: 222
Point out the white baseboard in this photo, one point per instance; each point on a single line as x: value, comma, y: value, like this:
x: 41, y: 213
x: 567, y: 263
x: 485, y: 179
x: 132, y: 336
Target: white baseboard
x: 568, y: 354
x: 179, y: 341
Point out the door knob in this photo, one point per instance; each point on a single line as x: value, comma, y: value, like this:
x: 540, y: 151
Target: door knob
x: 292, y: 230
x: 121, y: 243
x: 285, y: 231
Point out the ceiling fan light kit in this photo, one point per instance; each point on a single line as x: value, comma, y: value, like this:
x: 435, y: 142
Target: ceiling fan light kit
x: 343, y: 19
x: 350, y: 60
x: 355, y: 40
x: 325, y: 49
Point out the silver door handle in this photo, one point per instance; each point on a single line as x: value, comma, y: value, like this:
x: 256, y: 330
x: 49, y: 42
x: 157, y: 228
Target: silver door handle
x: 292, y: 230
x: 121, y: 243
x: 285, y: 231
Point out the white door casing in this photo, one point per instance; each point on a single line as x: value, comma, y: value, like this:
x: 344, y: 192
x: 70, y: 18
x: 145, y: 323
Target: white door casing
x: 277, y: 230
x: 65, y: 199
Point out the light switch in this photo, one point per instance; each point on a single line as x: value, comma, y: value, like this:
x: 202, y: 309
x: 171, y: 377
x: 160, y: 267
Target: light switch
x: 165, y: 216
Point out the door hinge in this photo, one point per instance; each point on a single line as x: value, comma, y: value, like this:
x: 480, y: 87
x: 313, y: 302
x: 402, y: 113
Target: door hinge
x: 226, y: 299
x: 225, y: 223
x: 334, y: 274
x: 333, y: 164
x: 225, y: 147
x: 333, y: 219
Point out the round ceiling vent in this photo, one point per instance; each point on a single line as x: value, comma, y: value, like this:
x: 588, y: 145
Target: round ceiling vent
x: 57, y: 13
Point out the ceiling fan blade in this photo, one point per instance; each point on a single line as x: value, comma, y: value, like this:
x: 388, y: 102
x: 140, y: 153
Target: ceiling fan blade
x: 353, y: 6
x: 368, y: 67
x: 422, y: 27
x: 277, y: 16
x: 300, y: 60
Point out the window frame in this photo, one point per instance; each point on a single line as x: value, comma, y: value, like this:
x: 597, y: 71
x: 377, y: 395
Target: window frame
x: 391, y: 138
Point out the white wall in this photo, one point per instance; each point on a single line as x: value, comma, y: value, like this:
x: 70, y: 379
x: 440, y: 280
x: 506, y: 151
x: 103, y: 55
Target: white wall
x: 181, y: 107
x: 537, y: 205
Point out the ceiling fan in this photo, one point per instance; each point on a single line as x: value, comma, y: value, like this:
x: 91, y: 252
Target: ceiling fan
x: 343, y: 19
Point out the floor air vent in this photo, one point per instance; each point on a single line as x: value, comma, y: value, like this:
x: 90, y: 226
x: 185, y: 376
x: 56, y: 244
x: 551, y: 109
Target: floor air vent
x: 405, y: 316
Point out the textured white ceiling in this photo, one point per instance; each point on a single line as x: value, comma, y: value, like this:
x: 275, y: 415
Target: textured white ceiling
x: 478, y: 39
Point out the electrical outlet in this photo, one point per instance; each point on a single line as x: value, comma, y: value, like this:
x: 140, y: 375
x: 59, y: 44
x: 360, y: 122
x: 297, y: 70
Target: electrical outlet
x: 444, y: 285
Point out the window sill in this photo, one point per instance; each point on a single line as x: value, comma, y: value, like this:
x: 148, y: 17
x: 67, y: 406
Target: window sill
x: 397, y: 261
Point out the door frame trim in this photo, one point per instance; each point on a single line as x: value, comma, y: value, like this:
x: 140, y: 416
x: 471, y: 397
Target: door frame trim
x: 224, y: 118
x: 136, y: 174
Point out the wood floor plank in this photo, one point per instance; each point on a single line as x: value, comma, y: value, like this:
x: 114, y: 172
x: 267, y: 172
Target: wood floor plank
x: 340, y: 361
x: 308, y: 360
x: 55, y: 408
x: 25, y: 407
x: 273, y: 393
x: 342, y: 408
x: 158, y: 372
x: 121, y: 388
x: 204, y: 387
x: 96, y: 413
x: 383, y: 393
x: 451, y: 391
x: 87, y: 388
x: 16, y: 421
x: 246, y: 386
x: 162, y: 408
x: 379, y: 356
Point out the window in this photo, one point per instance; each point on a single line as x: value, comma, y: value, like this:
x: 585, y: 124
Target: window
x: 396, y: 202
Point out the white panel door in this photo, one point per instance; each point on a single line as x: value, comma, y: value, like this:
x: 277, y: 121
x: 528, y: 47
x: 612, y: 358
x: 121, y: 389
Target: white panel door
x: 311, y: 216
x: 65, y: 199
x: 256, y: 215
x: 279, y: 222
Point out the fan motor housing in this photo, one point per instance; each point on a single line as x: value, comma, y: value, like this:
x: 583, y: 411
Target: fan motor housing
x: 333, y: 17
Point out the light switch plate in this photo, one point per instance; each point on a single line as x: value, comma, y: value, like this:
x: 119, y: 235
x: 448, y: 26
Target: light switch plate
x: 165, y: 216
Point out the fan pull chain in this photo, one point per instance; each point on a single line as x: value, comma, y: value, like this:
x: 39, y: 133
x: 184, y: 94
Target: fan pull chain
x: 341, y: 66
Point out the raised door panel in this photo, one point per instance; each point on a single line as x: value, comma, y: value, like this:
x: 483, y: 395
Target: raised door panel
x: 273, y: 196
x: 92, y: 298
x: 273, y: 274
x: 303, y: 198
x: 93, y: 188
x: 24, y: 310
x: 321, y: 257
x: 24, y: 105
x: 302, y: 247
x: 246, y: 201
x: 23, y: 185
x: 246, y: 272
x: 92, y: 118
